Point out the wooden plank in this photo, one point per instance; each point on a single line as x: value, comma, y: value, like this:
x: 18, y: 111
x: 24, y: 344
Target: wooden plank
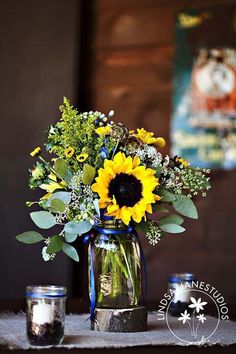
x: 152, y: 66
x: 103, y: 5
x: 137, y: 26
x: 134, y: 27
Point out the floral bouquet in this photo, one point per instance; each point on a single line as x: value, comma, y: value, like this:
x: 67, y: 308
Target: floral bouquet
x: 102, y: 168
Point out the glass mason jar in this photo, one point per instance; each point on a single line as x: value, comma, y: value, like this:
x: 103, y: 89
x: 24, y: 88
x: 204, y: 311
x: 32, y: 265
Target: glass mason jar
x: 180, y: 285
x: 45, y: 314
x: 116, y: 265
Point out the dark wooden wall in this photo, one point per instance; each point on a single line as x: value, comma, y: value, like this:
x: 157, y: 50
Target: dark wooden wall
x: 38, y: 66
x: 132, y: 48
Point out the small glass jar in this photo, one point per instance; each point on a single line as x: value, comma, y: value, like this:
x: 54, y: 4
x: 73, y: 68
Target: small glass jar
x: 180, y: 284
x: 45, y: 314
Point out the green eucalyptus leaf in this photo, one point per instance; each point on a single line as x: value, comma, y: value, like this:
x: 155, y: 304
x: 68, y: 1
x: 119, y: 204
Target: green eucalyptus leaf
x: 171, y: 219
x: 143, y: 226
x: 68, y: 176
x: 165, y: 195
x: 70, y: 251
x: 55, y: 245
x: 89, y: 173
x: 185, y: 206
x: 172, y: 228
x: 79, y: 228
x: 70, y: 237
x: 43, y: 219
x: 58, y: 205
x: 61, y: 168
x: 30, y: 237
x: 159, y: 208
x: 65, y: 197
x: 159, y: 170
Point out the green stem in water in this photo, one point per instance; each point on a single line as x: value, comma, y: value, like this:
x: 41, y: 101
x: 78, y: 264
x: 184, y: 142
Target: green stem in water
x: 129, y: 271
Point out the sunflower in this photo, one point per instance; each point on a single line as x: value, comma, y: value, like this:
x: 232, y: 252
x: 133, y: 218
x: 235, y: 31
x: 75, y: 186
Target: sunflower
x: 148, y: 138
x: 125, y: 188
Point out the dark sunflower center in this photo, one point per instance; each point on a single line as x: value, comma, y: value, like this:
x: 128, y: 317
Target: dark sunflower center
x: 127, y: 189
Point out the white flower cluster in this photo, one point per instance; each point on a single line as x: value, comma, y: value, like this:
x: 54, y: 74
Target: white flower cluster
x: 149, y: 156
x: 81, y: 206
x: 47, y: 257
x: 153, y: 234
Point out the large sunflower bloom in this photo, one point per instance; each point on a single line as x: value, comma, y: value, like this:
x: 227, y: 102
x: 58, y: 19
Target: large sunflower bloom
x: 125, y: 188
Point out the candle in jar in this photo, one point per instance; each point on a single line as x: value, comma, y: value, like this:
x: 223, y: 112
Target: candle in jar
x: 181, y: 294
x: 42, y: 313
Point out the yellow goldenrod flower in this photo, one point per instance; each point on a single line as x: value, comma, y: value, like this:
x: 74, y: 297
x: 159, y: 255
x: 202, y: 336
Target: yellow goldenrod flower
x: 82, y: 157
x: 69, y: 152
x: 103, y: 130
x: 35, y: 152
x: 182, y: 161
x: 125, y: 188
x: 148, y: 138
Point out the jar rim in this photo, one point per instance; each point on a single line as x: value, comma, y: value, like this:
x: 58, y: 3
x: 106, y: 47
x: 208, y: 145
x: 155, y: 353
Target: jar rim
x: 180, y: 277
x: 45, y: 291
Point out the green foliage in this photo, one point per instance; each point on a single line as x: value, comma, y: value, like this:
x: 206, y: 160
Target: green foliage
x: 57, y: 205
x: 65, y: 197
x: 79, y: 228
x: 30, y: 237
x: 160, y: 208
x: 171, y: 219
x: 61, y: 168
x: 70, y: 251
x: 96, y: 206
x: 89, y: 173
x: 143, y: 226
x: 166, y: 196
x: 172, y: 228
x: 70, y: 237
x: 185, y: 206
x: 55, y: 244
x: 43, y: 219
x: 38, y: 175
x: 77, y: 131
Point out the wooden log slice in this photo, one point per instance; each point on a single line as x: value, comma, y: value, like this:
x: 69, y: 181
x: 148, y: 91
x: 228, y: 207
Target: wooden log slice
x: 120, y: 320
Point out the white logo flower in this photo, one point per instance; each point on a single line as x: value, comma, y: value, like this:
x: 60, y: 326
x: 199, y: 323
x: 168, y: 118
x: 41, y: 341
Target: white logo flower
x: 184, y: 317
x: 201, y: 318
x: 197, y: 304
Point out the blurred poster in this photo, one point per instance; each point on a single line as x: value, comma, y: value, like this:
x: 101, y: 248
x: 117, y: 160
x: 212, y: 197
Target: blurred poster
x: 204, y: 98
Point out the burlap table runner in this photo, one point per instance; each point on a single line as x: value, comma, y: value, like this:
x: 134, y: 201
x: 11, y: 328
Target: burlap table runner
x: 79, y: 335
